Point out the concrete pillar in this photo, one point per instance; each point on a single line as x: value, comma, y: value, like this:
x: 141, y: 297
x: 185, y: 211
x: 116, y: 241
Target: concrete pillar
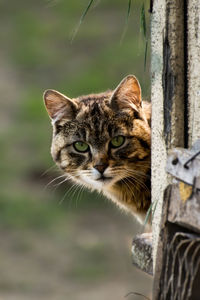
x: 167, y: 95
x: 193, y: 48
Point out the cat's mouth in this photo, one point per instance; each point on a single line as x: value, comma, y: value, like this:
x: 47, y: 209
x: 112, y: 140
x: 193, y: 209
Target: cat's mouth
x: 104, y: 179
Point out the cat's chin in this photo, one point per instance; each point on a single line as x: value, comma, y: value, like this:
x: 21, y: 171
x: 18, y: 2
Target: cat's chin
x: 98, y: 184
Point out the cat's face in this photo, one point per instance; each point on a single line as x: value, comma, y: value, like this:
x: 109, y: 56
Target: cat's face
x: 101, y: 139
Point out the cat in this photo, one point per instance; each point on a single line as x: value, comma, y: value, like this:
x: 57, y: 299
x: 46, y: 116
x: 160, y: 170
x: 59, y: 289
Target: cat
x: 103, y: 142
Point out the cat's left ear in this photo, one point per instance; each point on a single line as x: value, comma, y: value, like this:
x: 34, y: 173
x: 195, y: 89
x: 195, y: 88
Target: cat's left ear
x: 127, y: 95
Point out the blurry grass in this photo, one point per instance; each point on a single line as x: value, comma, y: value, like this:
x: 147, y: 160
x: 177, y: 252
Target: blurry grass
x: 20, y: 213
x: 37, y: 229
x: 24, y: 211
x: 36, y: 41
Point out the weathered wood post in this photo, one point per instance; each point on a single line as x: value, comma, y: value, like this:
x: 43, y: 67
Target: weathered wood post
x: 175, y: 38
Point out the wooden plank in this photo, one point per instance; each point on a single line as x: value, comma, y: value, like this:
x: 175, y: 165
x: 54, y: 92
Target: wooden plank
x: 177, y: 272
x: 181, y: 165
x: 185, y: 211
x: 162, y: 239
x: 184, y: 165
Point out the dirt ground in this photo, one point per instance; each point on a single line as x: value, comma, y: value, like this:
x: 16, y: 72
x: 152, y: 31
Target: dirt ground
x: 85, y: 256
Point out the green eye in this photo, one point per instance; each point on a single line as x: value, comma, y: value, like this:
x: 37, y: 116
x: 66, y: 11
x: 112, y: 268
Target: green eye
x: 81, y: 146
x: 117, y: 141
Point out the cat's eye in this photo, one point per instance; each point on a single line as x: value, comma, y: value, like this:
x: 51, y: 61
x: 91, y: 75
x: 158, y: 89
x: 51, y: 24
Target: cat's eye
x: 81, y: 146
x: 117, y: 141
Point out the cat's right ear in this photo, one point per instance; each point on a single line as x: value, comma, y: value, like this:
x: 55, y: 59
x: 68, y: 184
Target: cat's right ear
x: 59, y: 106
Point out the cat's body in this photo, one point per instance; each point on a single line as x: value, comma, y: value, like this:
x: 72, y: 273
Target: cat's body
x: 102, y: 141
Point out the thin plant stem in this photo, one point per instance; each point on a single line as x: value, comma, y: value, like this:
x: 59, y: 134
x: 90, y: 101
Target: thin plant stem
x: 126, y: 21
x: 81, y: 20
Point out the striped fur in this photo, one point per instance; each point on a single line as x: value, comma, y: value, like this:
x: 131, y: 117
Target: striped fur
x: 96, y: 119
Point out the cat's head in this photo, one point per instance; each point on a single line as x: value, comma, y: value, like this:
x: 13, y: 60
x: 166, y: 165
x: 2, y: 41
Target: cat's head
x: 100, y: 139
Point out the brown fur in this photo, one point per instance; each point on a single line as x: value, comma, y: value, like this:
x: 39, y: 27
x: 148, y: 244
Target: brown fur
x: 96, y: 119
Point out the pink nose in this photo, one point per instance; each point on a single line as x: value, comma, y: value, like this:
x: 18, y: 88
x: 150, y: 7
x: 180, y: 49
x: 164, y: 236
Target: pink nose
x: 101, y: 168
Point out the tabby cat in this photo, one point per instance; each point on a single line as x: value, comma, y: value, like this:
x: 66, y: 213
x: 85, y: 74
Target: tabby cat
x: 102, y: 141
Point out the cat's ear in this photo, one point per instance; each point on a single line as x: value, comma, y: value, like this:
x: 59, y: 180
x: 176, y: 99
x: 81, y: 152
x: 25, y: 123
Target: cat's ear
x: 127, y: 95
x: 59, y: 106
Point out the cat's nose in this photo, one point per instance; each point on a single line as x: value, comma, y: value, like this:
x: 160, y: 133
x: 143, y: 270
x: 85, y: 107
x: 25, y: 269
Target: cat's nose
x: 101, y: 168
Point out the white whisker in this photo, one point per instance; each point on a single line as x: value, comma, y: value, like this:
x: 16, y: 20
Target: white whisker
x: 67, y: 192
x: 45, y: 172
x: 54, y: 180
x: 58, y: 184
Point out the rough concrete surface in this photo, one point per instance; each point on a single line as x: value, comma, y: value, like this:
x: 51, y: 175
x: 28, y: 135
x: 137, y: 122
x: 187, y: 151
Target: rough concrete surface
x: 167, y: 96
x: 194, y: 70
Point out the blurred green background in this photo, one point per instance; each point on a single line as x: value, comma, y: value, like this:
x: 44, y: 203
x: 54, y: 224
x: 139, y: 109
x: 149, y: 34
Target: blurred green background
x: 58, y: 242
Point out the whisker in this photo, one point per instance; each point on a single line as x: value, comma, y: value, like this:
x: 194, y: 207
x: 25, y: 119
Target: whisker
x: 77, y: 187
x: 138, y: 180
x: 141, y: 183
x: 135, y: 186
x: 67, y: 192
x: 130, y: 174
x: 64, y: 175
x: 45, y: 172
x: 85, y: 172
x: 81, y: 187
x: 137, y: 176
x: 58, y: 184
x: 126, y: 183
